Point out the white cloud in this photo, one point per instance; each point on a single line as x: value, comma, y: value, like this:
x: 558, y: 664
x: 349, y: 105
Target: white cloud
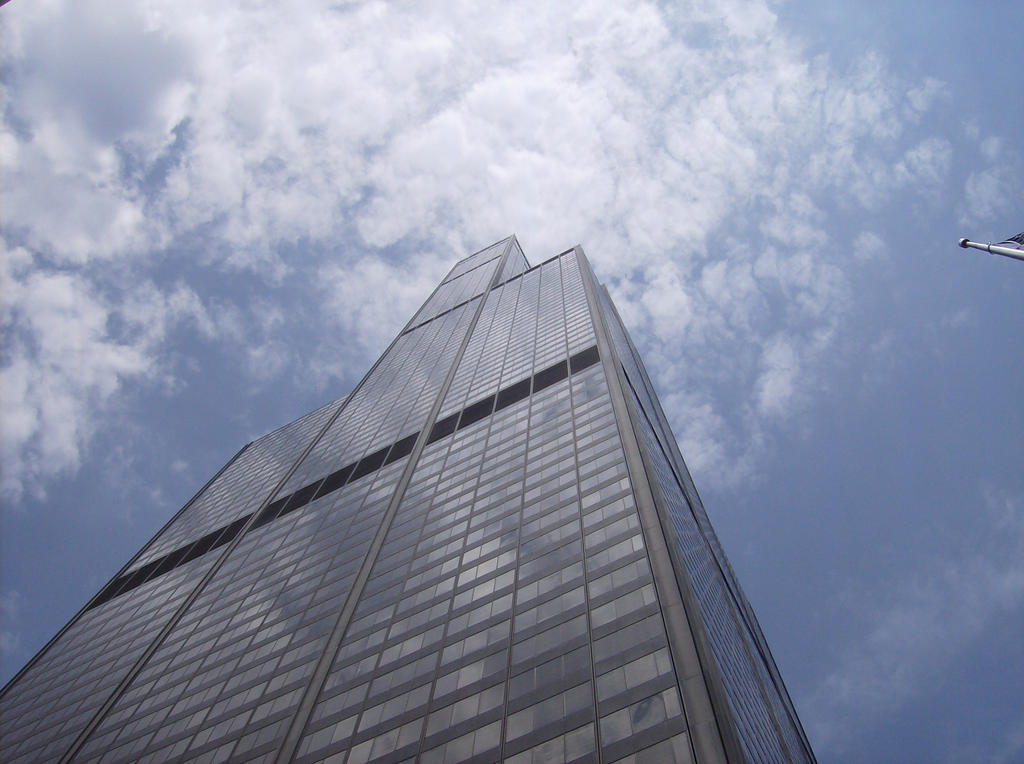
x: 687, y: 148
x: 925, y: 165
x: 988, y: 195
x: 777, y: 382
x: 103, y: 69
x: 921, y: 97
x: 992, y: 190
x: 71, y: 350
x: 63, y: 366
x: 151, y: 312
x: 63, y: 194
x: 868, y: 246
x: 991, y: 148
x: 87, y: 82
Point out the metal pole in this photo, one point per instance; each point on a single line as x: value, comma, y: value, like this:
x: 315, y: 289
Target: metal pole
x: 995, y: 249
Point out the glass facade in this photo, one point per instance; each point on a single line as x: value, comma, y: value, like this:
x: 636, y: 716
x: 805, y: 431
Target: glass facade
x: 763, y: 714
x: 490, y: 550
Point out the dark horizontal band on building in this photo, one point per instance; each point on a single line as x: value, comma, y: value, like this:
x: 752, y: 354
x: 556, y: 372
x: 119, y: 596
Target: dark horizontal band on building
x: 368, y: 464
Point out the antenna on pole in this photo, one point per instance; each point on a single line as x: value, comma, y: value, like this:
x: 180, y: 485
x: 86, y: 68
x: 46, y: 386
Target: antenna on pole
x: 1012, y: 247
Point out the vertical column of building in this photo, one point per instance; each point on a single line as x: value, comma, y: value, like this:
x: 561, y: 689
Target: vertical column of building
x: 753, y: 712
x: 476, y: 266
x: 380, y: 680
x: 395, y: 563
x: 638, y: 705
x: 773, y: 690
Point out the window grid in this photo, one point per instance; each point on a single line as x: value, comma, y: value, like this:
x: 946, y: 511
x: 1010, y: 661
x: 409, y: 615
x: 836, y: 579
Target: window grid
x: 756, y: 709
x: 237, y: 662
x: 49, y: 707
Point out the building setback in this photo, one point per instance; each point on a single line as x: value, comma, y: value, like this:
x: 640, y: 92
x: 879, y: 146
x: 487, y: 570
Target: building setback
x: 490, y: 549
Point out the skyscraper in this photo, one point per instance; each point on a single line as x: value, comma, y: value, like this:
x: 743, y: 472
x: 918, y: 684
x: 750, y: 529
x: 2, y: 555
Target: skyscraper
x: 490, y: 549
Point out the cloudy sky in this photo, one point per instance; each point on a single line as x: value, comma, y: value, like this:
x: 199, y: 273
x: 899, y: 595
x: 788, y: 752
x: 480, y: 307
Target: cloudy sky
x: 216, y: 215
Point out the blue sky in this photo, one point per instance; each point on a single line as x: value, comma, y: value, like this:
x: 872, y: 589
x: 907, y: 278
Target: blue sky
x: 216, y: 216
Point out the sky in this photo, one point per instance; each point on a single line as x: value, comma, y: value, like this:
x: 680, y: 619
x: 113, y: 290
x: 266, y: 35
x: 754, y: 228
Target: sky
x: 216, y: 215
